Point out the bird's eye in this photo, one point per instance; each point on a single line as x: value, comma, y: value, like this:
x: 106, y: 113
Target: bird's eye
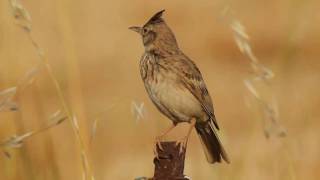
x: 145, y: 30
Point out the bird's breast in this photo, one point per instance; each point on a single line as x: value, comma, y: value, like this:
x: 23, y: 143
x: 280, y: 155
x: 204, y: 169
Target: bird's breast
x: 165, y: 88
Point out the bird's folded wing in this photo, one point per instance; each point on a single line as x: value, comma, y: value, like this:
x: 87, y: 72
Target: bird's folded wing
x: 192, y: 79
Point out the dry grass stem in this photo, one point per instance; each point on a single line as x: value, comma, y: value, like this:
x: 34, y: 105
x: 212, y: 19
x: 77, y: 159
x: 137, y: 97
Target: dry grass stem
x: 6, y: 100
x: 28, y: 78
x: 24, y: 19
x: 21, y: 15
x: 261, y: 74
x: 7, y: 96
x: 96, y: 121
x: 16, y: 141
x: 138, y: 110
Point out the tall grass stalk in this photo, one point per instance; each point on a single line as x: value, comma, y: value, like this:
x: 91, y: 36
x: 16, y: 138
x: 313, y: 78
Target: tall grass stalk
x: 24, y: 20
x: 261, y: 75
x: 73, y: 73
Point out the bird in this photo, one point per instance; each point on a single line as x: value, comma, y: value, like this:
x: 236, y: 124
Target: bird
x: 176, y: 87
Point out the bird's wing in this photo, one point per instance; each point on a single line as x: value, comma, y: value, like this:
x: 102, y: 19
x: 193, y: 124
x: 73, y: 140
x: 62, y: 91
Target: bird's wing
x: 192, y: 79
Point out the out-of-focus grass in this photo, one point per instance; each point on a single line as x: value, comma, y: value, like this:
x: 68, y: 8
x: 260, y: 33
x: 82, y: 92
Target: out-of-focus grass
x: 95, y: 60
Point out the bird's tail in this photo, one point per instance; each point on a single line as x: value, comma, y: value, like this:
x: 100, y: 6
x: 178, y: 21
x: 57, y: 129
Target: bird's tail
x: 211, y: 143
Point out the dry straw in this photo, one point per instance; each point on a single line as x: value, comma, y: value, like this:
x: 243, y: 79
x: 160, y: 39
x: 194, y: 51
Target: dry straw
x: 96, y: 121
x: 261, y: 75
x: 7, y: 96
x: 138, y: 110
x: 16, y: 141
x: 23, y: 19
x: 6, y: 100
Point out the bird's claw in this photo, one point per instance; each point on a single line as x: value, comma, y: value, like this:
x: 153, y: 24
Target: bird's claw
x: 158, y: 142
x: 156, y: 146
x: 182, y: 143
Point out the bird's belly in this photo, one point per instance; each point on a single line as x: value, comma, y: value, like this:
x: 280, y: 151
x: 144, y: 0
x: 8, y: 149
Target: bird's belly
x: 176, y: 99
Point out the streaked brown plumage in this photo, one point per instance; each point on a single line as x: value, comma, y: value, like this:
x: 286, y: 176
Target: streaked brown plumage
x: 175, y: 85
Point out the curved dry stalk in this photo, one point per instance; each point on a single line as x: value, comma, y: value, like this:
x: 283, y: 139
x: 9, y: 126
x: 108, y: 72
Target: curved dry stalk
x: 7, y: 96
x: 96, y: 120
x: 6, y: 99
x: 261, y: 74
x: 16, y: 141
x: 24, y: 20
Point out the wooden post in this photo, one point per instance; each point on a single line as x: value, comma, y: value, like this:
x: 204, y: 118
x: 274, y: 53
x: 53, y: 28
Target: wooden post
x: 170, y: 163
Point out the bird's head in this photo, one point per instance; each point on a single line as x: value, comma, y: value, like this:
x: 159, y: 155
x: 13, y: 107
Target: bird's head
x: 156, y: 35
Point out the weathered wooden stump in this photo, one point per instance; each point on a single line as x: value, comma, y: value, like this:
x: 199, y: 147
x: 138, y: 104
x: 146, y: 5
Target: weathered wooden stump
x: 169, y: 165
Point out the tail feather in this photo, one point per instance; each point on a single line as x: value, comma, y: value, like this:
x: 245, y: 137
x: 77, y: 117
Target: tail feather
x: 211, y: 143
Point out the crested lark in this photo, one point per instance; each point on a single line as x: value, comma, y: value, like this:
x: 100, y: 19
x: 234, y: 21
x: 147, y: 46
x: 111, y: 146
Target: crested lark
x: 175, y: 85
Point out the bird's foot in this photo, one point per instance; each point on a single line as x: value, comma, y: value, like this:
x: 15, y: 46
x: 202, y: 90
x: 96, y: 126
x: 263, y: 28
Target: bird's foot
x: 182, y: 143
x: 156, y: 145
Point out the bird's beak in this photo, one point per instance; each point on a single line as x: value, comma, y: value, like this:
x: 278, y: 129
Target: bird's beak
x: 136, y: 29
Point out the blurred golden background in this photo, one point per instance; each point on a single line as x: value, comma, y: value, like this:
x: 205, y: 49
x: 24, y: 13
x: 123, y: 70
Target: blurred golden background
x: 95, y: 59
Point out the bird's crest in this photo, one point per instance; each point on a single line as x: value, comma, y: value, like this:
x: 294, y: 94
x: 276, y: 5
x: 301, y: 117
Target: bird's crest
x: 156, y: 18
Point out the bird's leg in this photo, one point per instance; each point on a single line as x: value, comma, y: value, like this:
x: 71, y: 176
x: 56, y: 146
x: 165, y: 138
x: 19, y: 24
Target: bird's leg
x: 159, y: 139
x: 183, y: 142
